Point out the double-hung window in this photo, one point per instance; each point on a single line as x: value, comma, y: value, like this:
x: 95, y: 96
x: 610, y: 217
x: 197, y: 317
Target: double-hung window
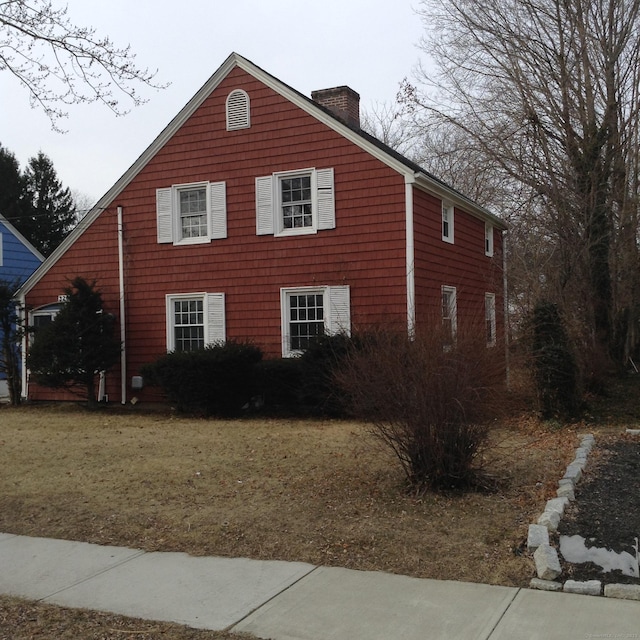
x: 295, y: 202
x: 192, y: 204
x: 306, y: 318
x: 191, y: 213
x: 490, y: 318
x: 188, y: 324
x: 309, y: 312
x: 449, y: 314
x: 488, y: 239
x: 447, y: 222
x: 194, y: 320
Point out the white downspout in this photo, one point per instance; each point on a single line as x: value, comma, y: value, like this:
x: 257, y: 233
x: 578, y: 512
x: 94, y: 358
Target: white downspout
x: 410, y: 256
x: 123, y: 348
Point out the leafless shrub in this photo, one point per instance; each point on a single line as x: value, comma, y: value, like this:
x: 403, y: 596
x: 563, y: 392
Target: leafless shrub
x: 427, y: 400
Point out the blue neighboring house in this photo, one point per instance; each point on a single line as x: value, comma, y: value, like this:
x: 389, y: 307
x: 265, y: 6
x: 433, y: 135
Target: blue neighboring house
x: 18, y: 260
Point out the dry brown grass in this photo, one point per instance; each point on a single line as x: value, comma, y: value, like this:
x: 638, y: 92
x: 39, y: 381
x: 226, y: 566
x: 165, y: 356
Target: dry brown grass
x: 312, y: 491
x: 22, y: 620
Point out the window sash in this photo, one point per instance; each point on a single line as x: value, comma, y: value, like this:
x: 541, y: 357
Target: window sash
x: 306, y: 319
x: 449, y: 314
x: 188, y: 324
x: 193, y: 212
x: 488, y: 240
x: 447, y: 222
x: 490, y: 318
x: 296, y: 202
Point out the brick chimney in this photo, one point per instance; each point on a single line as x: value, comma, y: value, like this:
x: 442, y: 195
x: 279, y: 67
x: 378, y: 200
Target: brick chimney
x: 343, y: 102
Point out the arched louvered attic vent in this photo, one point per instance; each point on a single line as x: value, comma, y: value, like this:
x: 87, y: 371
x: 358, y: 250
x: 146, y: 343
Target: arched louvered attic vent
x: 238, y: 112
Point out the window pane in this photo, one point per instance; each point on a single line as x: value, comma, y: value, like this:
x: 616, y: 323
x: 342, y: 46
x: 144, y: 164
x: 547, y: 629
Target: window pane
x: 188, y: 323
x: 193, y: 212
x: 305, y: 319
x: 296, y: 202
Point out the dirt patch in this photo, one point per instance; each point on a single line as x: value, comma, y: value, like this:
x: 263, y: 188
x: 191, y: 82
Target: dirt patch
x: 606, y: 512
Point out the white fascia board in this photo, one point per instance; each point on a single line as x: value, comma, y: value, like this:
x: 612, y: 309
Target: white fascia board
x: 11, y: 229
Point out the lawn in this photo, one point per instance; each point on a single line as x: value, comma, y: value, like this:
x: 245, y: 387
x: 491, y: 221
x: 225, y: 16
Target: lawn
x: 322, y: 492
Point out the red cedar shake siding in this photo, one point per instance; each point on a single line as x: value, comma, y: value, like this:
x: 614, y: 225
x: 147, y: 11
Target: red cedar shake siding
x: 462, y: 265
x: 366, y: 250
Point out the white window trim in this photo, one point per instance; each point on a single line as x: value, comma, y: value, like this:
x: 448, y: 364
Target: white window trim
x: 488, y: 240
x: 336, y: 304
x: 269, y: 219
x: 238, y: 109
x: 214, y: 316
x: 490, y: 315
x: 453, y: 308
x: 169, y: 227
x: 448, y: 211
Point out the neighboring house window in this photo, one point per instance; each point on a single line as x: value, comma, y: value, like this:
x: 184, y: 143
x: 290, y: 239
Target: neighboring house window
x: 447, y: 222
x: 308, y: 312
x: 449, y: 314
x: 191, y: 213
x: 488, y: 239
x: 39, y: 318
x: 238, y: 110
x: 295, y: 202
x: 490, y: 318
x: 1, y: 246
x: 195, y: 320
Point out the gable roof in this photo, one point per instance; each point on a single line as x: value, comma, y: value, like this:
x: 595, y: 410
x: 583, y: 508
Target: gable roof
x: 13, y: 231
x: 412, y: 172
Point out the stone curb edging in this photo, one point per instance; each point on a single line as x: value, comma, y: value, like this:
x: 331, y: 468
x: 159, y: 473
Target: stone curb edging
x: 546, y: 557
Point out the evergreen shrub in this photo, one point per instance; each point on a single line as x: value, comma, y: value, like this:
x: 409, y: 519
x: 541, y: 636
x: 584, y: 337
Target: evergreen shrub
x: 218, y: 380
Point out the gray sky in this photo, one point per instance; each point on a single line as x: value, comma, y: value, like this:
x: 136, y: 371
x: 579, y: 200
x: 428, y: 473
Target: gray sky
x: 369, y: 45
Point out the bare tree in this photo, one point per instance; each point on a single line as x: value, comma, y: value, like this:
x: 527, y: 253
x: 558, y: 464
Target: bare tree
x: 391, y: 123
x: 547, y: 92
x: 60, y: 63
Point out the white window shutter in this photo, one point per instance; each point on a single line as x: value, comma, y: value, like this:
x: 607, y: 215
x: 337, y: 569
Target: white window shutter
x: 216, y: 326
x: 238, y: 111
x: 264, y: 206
x: 218, y: 213
x: 326, y: 200
x: 164, y: 215
x: 339, y: 310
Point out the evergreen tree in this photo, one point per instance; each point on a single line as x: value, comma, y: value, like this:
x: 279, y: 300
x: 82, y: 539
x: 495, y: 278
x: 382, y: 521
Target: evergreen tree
x: 9, y: 339
x: 50, y: 212
x: 72, y: 350
x: 555, y: 368
x: 11, y: 186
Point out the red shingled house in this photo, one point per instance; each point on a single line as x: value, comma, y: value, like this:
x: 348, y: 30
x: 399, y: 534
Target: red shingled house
x: 261, y: 214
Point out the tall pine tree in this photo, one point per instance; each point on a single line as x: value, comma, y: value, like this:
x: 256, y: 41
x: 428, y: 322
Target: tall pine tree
x: 49, y: 212
x: 11, y: 187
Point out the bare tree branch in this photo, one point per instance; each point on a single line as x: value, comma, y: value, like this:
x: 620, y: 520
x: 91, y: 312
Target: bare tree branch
x: 59, y: 63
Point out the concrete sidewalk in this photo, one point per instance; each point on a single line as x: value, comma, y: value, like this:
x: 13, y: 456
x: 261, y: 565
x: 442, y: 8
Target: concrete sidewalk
x: 297, y: 601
